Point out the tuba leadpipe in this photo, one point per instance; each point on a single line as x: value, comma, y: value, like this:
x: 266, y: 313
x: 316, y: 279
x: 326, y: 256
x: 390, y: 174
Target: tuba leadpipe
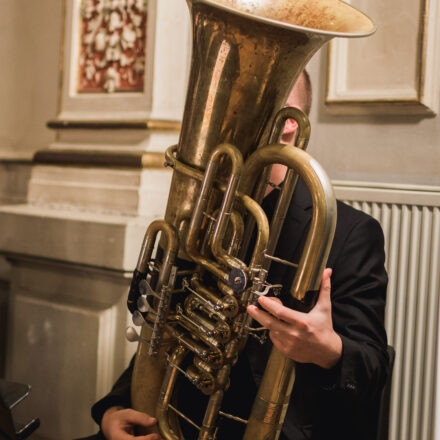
x: 190, y: 298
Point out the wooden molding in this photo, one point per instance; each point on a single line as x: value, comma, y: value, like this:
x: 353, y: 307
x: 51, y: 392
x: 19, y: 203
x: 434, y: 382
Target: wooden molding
x: 100, y: 159
x: 114, y: 125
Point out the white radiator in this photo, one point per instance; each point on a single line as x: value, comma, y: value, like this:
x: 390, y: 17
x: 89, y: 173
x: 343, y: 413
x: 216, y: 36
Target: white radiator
x: 410, y: 218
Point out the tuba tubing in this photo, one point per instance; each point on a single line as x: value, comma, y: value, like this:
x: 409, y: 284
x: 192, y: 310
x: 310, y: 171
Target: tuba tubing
x: 190, y: 299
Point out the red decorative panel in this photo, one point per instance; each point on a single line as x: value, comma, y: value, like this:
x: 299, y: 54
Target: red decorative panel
x: 112, y: 46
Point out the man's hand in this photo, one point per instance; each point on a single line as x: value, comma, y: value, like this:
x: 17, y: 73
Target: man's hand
x: 118, y: 424
x: 303, y: 337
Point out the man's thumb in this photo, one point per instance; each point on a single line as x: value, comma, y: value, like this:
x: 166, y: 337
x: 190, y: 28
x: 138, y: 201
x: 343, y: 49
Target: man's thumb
x: 140, y: 418
x: 324, y: 292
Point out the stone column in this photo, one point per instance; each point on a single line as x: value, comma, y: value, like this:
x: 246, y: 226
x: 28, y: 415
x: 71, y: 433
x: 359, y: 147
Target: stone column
x: 74, y: 241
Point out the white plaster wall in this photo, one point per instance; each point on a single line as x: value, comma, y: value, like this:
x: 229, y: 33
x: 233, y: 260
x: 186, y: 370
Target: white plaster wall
x: 392, y: 149
x: 30, y: 37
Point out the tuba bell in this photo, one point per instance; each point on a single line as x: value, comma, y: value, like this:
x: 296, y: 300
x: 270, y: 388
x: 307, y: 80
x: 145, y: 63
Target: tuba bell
x: 190, y: 296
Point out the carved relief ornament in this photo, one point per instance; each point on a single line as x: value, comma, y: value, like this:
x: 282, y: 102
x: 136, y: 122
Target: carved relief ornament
x: 112, y: 46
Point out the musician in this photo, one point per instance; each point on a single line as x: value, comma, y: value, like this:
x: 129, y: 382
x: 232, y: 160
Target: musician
x: 340, y: 346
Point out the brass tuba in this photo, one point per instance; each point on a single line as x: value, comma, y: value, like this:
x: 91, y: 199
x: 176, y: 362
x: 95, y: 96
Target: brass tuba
x: 190, y: 299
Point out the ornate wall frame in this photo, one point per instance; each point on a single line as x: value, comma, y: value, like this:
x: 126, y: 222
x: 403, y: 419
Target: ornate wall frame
x: 159, y: 102
x: 403, y: 77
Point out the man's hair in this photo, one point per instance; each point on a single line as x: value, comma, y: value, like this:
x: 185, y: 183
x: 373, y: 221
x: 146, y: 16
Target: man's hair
x: 301, y: 94
x: 308, y: 100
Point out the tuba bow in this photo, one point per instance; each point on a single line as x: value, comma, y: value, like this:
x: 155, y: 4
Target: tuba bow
x: 190, y: 298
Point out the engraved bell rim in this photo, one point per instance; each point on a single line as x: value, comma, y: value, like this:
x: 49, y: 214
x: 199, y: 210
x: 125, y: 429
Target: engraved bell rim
x: 290, y: 26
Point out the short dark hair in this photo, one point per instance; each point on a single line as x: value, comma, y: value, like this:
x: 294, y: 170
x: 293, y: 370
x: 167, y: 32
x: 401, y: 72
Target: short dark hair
x: 303, y: 93
x: 308, y: 103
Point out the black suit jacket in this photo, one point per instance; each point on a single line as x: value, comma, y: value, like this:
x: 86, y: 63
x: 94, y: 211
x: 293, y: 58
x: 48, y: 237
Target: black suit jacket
x: 341, y: 403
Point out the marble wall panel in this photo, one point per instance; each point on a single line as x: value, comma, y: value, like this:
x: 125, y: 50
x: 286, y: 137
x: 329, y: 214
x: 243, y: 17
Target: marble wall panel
x: 131, y: 192
x: 14, y: 180
x: 66, y: 339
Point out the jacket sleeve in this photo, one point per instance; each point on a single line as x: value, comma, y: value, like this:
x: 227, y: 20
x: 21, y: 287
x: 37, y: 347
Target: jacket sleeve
x: 118, y: 396
x: 359, y: 283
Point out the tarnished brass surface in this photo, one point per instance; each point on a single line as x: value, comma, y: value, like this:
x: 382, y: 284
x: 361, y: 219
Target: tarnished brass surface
x: 149, y: 370
x: 273, y: 396
x: 247, y: 54
x: 240, y: 77
x: 302, y: 139
x: 166, y: 395
x: 223, y: 214
x: 148, y: 375
x: 170, y: 249
x: 332, y: 17
x: 319, y: 239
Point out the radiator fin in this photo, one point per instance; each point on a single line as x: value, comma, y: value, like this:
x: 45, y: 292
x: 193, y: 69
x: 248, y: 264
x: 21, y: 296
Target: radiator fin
x: 412, y: 242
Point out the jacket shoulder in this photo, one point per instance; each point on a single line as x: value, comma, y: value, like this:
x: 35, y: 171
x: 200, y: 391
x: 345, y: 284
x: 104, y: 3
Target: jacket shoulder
x: 353, y: 221
x: 348, y: 217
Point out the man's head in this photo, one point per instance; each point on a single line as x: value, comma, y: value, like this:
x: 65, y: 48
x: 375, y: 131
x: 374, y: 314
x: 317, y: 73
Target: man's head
x: 300, y: 97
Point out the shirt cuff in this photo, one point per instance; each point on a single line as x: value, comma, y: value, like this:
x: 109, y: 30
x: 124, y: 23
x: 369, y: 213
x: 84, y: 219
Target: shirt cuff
x: 341, y: 377
x: 100, y: 407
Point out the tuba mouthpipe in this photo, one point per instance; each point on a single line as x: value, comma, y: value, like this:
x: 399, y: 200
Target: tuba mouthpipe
x: 301, y: 119
x: 291, y: 178
x: 279, y: 215
x: 276, y: 132
x: 319, y: 239
x: 302, y: 140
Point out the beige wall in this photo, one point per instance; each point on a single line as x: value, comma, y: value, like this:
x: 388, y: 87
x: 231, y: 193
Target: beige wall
x: 30, y: 36
x: 403, y: 150
x: 384, y: 149
x: 391, y: 149
x: 71, y: 329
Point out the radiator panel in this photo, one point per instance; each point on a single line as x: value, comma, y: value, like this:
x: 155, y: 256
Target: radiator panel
x: 412, y: 242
